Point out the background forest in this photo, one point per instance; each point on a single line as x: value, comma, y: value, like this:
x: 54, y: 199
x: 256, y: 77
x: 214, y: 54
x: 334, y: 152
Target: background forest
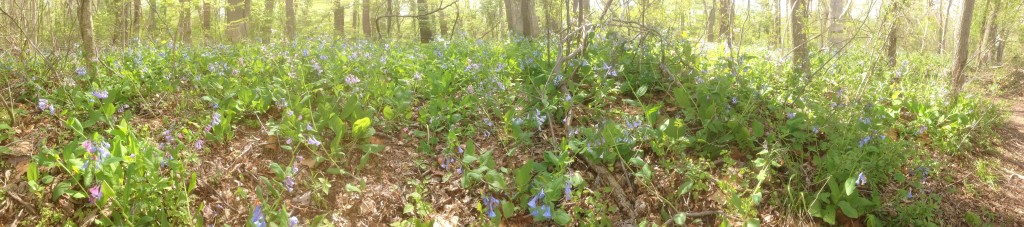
x: 511, y: 113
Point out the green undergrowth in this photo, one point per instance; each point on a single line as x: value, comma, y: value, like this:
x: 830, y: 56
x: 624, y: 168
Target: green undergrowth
x: 855, y: 138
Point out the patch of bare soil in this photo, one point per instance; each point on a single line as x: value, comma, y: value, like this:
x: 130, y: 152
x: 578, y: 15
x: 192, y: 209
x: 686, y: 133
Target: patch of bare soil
x: 1001, y: 204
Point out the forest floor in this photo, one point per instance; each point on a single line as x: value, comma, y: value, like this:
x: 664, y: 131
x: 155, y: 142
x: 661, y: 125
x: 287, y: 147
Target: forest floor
x: 992, y: 181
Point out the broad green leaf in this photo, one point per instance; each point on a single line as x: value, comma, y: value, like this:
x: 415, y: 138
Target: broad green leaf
x: 850, y: 185
x: 848, y: 209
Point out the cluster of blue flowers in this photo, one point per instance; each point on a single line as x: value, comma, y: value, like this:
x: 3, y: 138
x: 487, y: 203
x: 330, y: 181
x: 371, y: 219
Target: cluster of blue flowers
x: 491, y: 202
x: 44, y: 105
x: 351, y: 79
x: 100, y: 94
x: 543, y: 210
x: 99, y: 151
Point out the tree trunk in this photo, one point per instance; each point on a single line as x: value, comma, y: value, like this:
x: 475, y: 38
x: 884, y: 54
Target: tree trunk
x: 234, y: 17
x: 891, y: 40
x: 837, y: 8
x: 339, y: 21
x: 988, y: 37
x: 960, y: 59
x: 136, y: 17
x: 513, y: 16
x: 355, y: 18
x: 529, y: 15
x: 725, y: 10
x: 442, y: 22
x: 797, y: 18
x: 185, y: 22
x: 945, y: 26
x: 267, y: 26
x: 88, y: 39
x: 289, y: 12
x: 207, y: 14
x: 367, y: 26
x: 391, y: 10
x: 426, y: 32
x: 712, y: 17
x: 153, y: 17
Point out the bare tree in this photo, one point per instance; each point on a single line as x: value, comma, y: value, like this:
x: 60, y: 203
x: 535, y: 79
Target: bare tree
x: 355, y: 17
x: 797, y: 19
x: 529, y: 16
x: 960, y: 59
x: 836, y: 12
x: 513, y: 17
x: 945, y: 26
x: 88, y: 38
x: 988, y: 44
x: 712, y: 17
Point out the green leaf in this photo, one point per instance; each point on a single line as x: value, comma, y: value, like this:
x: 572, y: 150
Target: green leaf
x: 33, y: 175
x: 848, y: 209
x: 361, y: 128
x: 353, y: 188
x: 829, y: 214
x: 641, y: 91
x: 191, y: 184
x: 561, y: 217
x: 850, y: 185
x: 680, y: 218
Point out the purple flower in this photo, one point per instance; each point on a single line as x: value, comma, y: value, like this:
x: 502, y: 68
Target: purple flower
x: 865, y: 120
x: 289, y: 183
x: 293, y: 221
x: 257, y: 217
x: 309, y: 127
x: 81, y: 71
x: 460, y: 149
x: 814, y: 129
x: 921, y: 130
x: 568, y: 190
x: 95, y: 193
x: 734, y: 101
x: 215, y: 119
x: 351, y: 79
x: 289, y: 141
x: 417, y: 76
x: 490, y: 202
x: 199, y: 144
x: 101, y: 94
x: 312, y: 141
x: 45, y: 105
x: 122, y: 108
x: 864, y: 141
x: 861, y: 179
x: 791, y: 115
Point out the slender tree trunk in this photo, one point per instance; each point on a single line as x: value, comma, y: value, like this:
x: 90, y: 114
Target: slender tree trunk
x: 798, y: 16
x: 391, y: 10
x: 153, y: 17
x: 88, y: 39
x: 945, y: 28
x: 725, y: 10
x: 712, y: 17
x: 268, y: 19
x: 355, y: 18
x: 891, y: 41
x: 367, y: 24
x: 289, y: 12
x: 442, y: 22
x: 136, y: 18
x: 988, y: 37
x: 207, y: 15
x: 185, y: 22
x: 426, y: 30
x: 235, y: 17
x: 778, y: 23
x: 837, y: 8
x: 960, y: 60
x: 339, y: 21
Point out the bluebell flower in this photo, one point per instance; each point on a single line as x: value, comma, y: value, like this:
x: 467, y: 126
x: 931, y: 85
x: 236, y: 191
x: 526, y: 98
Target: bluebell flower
x: 257, y: 216
x: 293, y: 221
x: 865, y: 120
x: 45, y: 105
x: 215, y: 119
x: 417, y: 76
x: 309, y: 127
x: 95, y: 193
x: 351, y: 79
x: 81, y: 71
x: 312, y: 141
x: 122, y: 108
x: 490, y: 202
x: 289, y: 183
x: 568, y: 97
x: 864, y: 141
x: 910, y: 194
x: 533, y: 202
x: 734, y: 100
x: 568, y: 190
x: 861, y: 179
x: 460, y: 149
x: 791, y: 115
x: 921, y: 130
x: 101, y: 94
x: 814, y: 129
x: 198, y: 144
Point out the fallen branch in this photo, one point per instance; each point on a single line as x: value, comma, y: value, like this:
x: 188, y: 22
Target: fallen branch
x: 620, y: 195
